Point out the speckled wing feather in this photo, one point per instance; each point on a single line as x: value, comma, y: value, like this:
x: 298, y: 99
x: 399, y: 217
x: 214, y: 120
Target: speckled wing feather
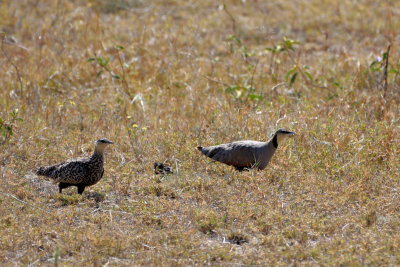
x: 72, y: 172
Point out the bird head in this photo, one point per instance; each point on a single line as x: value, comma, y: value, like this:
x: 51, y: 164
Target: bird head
x: 282, y: 134
x: 102, y: 143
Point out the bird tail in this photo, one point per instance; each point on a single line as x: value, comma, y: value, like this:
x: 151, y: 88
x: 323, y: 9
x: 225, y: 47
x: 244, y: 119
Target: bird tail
x: 208, y: 151
x: 46, y: 171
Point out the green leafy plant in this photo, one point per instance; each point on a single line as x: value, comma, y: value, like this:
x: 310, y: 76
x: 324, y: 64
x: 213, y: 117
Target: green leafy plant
x: 7, y: 126
x: 283, y: 46
x: 378, y: 65
x: 103, y: 62
x: 236, y: 46
x: 378, y: 73
x: 246, y: 90
x: 286, y: 47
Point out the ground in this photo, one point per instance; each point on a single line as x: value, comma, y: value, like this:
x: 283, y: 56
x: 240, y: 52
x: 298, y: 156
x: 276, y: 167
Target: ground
x: 160, y: 78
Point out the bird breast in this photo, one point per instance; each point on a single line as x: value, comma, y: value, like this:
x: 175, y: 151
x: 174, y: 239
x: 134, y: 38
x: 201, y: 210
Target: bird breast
x: 95, y: 169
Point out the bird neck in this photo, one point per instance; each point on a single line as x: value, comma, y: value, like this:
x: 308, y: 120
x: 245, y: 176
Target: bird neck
x: 98, y: 151
x: 275, y: 141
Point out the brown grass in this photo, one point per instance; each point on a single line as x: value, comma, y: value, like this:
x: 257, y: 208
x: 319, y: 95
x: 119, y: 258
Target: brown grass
x: 176, y: 78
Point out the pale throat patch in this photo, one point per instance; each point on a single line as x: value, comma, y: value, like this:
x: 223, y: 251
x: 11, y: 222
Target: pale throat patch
x: 281, y: 137
x: 100, y: 147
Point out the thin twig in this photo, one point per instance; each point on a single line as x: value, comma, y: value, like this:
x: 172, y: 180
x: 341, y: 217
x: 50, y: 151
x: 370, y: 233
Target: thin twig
x: 252, y: 75
x: 277, y: 85
x: 231, y: 17
x: 213, y: 80
x: 124, y: 82
x: 305, y: 77
x: 12, y: 63
x: 176, y: 166
x: 385, y: 73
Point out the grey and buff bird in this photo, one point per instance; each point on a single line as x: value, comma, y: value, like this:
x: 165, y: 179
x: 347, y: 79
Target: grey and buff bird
x: 80, y: 172
x: 246, y: 154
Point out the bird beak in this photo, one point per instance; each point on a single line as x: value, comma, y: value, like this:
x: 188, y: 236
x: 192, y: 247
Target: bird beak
x: 291, y: 134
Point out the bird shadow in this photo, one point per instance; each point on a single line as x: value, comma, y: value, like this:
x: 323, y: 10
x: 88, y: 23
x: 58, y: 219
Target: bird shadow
x: 97, y: 197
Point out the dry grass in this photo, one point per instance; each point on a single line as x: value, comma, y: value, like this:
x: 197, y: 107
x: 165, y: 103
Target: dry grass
x: 177, y: 79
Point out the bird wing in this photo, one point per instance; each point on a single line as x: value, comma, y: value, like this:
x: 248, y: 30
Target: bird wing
x: 73, y: 172
x: 243, y: 154
x: 238, y: 154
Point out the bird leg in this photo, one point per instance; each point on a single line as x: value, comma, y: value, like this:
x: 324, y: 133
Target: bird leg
x: 81, y: 188
x: 240, y: 169
x: 61, y: 186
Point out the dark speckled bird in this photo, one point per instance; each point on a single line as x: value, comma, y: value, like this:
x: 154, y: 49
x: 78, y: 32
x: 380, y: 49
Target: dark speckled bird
x: 162, y: 168
x: 79, y: 172
x: 246, y: 154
